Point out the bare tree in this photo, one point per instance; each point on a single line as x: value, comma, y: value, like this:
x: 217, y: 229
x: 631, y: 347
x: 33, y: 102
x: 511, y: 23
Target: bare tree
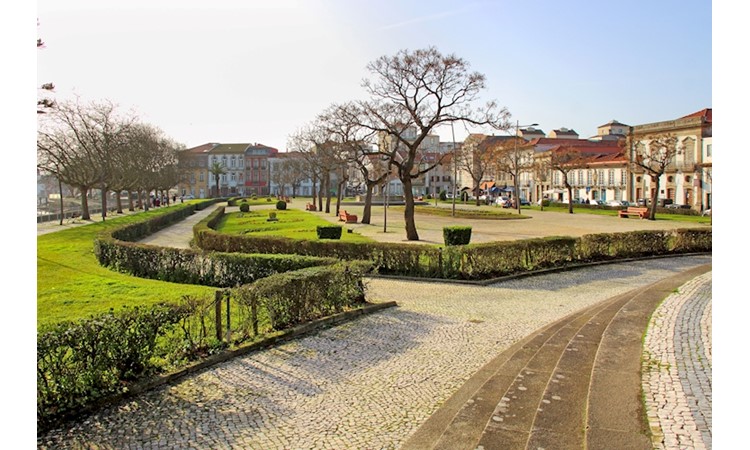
x: 565, y: 159
x: 477, y: 159
x: 77, y: 142
x: 511, y: 156
x: 653, y: 154
x: 421, y: 90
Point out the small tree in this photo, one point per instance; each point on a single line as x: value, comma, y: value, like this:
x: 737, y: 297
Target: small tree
x: 565, y: 159
x: 652, y: 154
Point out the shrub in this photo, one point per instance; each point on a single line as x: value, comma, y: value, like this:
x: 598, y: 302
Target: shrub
x: 281, y: 205
x: 254, y: 197
x: 272, y: 217
x: 269, y: 199
x: 443, y: 196
x: 545, y: 203
x: 293, y: 298
x: 244, y: 207
x: 329, y: 231
x: 457, y: 235
x: 80, y: 363
x: 428, y: 197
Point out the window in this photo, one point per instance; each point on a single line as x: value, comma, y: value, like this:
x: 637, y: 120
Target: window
x: 611, y: 177
x: 233, y: 177
x: 223, y: 178
x: 263, y: 164
x: 588, y: 177
x: 255, y: 163
x: 224, y: 161
x: 232, y: 161
x: 708, y: 150
x: 200, y: 176
x: 623, y: 177
x: 600, y: 174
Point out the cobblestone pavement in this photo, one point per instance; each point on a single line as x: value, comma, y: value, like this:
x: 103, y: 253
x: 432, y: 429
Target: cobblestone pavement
x: 367, y: 384
x: 677, y: 368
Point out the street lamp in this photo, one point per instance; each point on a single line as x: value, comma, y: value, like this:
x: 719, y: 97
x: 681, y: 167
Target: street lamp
x: 455, y: 172
x: 515, y: 155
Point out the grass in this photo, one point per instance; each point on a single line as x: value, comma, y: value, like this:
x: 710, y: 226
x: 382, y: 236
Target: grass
x: 613, y: 212
x: 292, y: 223
x: 72, y: 285
x: 463, y: 213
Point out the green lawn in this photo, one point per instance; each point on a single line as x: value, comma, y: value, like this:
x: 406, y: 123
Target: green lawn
x: 72, y: 285
x: 292, y: 223
x: 556, y: 207
x: 492, y: 213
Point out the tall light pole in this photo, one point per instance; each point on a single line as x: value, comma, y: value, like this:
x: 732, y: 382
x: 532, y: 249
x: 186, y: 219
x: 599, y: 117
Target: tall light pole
x: 455, y: 171
x: 515, y: 156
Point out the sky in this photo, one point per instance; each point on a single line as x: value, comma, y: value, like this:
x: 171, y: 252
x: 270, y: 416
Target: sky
x: 257, y: 71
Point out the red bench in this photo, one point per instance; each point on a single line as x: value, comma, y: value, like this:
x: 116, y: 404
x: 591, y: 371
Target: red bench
x: 310, y: 207
x: 346, y: 217
x: 642, y: 213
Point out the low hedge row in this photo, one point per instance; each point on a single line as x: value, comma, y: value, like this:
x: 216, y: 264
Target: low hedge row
x: 115, y: 249
x: 80, y: 364
x: 471, y: 262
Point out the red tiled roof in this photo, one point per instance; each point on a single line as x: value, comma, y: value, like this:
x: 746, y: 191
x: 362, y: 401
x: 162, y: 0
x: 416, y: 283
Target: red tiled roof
x: 201, y: 148
x: 702, y: 113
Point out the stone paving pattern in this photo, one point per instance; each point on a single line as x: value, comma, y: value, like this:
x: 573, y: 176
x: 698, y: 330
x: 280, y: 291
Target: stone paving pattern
x: 677, y: 361
x: 370, y: 383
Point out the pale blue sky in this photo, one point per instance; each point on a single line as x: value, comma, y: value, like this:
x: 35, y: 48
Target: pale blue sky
x: 255, y: 71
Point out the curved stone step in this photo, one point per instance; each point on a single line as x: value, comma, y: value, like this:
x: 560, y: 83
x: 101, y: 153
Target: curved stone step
x: 574, y: 384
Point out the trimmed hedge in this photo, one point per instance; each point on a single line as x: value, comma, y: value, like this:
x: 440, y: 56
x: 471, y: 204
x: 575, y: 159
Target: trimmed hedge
x: 81, y: 363
x: 300, y: 296
x: 472, y: 261
x: 329, y: 231
x: 244, y: 207
x: 281, y: 205
x: 457, y: 235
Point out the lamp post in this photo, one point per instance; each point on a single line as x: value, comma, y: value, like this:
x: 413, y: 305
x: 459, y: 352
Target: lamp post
x: 455, y: 171
x: 515, y: 156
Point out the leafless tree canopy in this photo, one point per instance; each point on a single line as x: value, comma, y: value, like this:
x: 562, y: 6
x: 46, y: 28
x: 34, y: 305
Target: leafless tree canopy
x: 423, y: 89
x: 652, y: 154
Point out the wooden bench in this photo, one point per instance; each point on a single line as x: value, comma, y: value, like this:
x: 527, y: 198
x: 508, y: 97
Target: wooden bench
x: 310, y: 207
x: 346, y: 217
x: 642, y: 213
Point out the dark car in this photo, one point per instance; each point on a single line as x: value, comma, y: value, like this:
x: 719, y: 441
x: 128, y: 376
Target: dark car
x: 525, y: 202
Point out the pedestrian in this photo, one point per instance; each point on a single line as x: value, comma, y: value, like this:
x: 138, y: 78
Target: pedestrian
x: 182, y: 198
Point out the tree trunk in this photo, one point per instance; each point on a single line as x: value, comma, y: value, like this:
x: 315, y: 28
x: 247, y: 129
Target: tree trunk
x: 411, y: 226
x: 654, y: 197
x: 328, y: 193
x: 570, y: 198
x: 518, y: 197
x: 85, y: 204
x: 368, y: 204
x: 476, y: 192
x: 104, y: 204
x: 59, y: 186
x: 119, y: 202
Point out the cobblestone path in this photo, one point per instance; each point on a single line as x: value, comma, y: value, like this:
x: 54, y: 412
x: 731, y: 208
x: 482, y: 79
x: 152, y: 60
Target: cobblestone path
x: 677, y: 368
x: 367, y: 384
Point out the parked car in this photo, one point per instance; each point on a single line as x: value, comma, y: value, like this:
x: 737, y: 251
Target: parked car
x: 503, y: 201
x: 188, y: 197
x: 618, y: 203
x: 677, y: 206
x: 706, y: 212
x: 525, y: 202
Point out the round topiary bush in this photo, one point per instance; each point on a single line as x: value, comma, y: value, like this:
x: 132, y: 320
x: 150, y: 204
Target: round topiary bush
x: 457, y: 235
x: 268, y: 199
x: 244, y: 207
x: 281, y: 204
x: 443, y: 196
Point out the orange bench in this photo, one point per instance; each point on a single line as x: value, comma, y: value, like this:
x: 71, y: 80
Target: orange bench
x: 642, y: 213
x: 310, y: 207
x: 346, y: 217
